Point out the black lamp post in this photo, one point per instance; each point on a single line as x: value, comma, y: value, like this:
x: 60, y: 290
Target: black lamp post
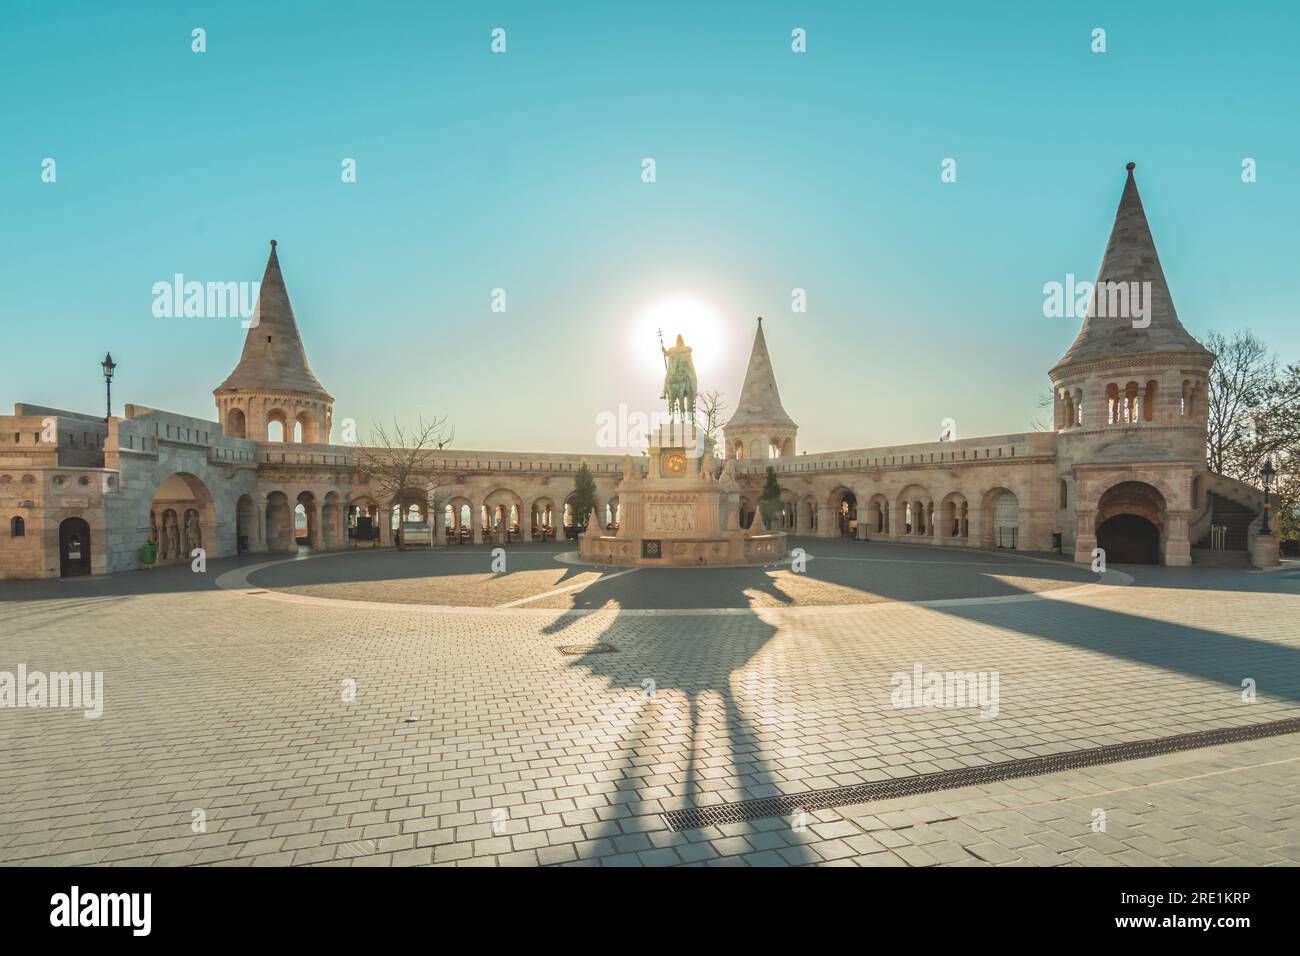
x: 109, y: 365
x: 1267, y: 474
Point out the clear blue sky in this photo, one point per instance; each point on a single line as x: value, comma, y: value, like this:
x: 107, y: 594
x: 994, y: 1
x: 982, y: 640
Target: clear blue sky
x: 522, y: 171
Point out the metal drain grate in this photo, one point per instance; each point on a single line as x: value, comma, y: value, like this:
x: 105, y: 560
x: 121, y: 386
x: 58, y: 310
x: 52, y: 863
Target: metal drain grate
x: 695, y: 818
x: 576, y: 650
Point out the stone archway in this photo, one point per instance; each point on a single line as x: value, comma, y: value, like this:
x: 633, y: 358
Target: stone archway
x: 182, y: 517
x: 74, y: 547
x: 913, y: 511
x: 1000, y: 528
x: 245, y: 524
x: 1130, y: 523
x: 236, y: 423
x: 878, y: 515
x: 844, y: 512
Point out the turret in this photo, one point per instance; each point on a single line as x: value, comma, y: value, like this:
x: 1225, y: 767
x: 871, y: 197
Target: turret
x: 760, y: 427
x: 1129, y: 400
x: 272, y: 394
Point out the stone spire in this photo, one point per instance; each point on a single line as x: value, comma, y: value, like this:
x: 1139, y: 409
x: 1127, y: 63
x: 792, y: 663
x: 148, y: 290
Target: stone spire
x: 273, y: 355
x: 1131, y: 257
x: 760, y: 402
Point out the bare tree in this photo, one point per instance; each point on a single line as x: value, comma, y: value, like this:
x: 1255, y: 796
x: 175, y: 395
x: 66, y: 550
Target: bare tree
x: 1276, y: 438
x: 1240, y: 381
x: 399, y: 460
x: 712, y: 407
x: 1045, y: 401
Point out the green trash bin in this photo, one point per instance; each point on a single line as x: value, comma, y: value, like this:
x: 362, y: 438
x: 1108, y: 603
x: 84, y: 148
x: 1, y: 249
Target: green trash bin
x: 149, y: 553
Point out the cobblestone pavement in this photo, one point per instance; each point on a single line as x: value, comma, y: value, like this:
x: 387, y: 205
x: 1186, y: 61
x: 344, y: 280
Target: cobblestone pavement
x: 473, y: 741
x: 842, y: 572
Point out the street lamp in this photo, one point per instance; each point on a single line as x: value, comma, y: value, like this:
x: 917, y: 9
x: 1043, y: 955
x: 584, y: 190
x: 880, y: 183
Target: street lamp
x: 108, y: 365
x: 1267, y: 474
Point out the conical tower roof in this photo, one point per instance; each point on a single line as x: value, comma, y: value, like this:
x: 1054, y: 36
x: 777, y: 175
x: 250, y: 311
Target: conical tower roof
x: 760, y: 402
x: 273, y: 354
x: 1131, y: 257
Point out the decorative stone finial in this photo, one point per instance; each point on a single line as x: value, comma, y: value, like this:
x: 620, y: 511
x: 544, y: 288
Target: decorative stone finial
x: 1130, y: 167
x: 272, y: 243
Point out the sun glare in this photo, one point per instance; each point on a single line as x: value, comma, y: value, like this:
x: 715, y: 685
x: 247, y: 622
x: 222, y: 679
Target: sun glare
x: 694, y: 321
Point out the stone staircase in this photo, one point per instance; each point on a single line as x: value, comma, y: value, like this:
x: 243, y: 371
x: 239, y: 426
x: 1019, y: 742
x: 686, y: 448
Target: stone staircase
x: 1236, y: 518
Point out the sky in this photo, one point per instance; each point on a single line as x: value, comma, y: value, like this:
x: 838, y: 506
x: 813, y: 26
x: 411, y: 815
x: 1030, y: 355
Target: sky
x: 523, y: 171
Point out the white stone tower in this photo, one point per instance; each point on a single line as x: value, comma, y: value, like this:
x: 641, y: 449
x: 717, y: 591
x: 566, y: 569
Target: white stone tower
x: 760, y: 427
x: 273, y: 382
x: 1130, y: 408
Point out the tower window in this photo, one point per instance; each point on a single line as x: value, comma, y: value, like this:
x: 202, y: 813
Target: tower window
x: 17, y: 527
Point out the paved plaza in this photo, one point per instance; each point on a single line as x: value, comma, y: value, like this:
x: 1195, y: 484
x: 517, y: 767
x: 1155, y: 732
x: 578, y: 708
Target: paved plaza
x: 552, y: 713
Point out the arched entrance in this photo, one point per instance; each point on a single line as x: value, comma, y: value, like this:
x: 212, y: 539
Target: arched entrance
x: 1129, y: 539
x: 74, y: 547
x: 245, y: 524
x: 845, y: 506
x: 1001, y: 521
x: 1130, y: 523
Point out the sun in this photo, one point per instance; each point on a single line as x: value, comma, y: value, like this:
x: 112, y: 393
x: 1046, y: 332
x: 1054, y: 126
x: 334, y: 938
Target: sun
x: 694, y: 321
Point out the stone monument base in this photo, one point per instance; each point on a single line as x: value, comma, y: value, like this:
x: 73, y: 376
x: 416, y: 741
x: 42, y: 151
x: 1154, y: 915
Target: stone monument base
x: 736, y: 548
x: 679, y: 513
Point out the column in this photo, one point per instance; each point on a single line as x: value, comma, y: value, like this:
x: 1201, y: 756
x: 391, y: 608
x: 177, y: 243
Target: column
x: 1178, y: 549
x: 1085, y: 537
x: 476, y: 520
x: 259, y: 532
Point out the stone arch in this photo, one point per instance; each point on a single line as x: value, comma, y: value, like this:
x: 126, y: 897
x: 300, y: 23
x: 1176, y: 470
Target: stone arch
x: 458, y: 519
x: 844, y: 511
x: 914, y: 511
x: 738, y: 449
x: 307, y: 510
x: 277, y: 425
x: 408, y: 504
x: 878, y: 515
x: 505, y: 512
x: 358, y: 507
x: 236, y: 423
x: 789, y: 510
x: 245, y: 524
x: 954, y: 520
x: 305, y: 427
x: 74, y: 547
x: 1131, y: 523
x: 808, y: 514
x: 1001, y: 519
x: 182, y: 517
x: 545, y: 522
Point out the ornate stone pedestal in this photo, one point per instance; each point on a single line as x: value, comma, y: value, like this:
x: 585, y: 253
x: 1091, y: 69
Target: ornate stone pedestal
x: 679, y: 513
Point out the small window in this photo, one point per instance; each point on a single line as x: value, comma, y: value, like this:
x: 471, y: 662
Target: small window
x: 17, y: 527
